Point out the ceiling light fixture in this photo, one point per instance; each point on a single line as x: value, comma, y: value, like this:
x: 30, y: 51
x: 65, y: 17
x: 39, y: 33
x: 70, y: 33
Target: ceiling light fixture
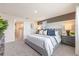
x: 35, y: 11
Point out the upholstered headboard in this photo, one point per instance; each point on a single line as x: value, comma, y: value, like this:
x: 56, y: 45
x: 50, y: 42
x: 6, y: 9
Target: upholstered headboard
x: 59, y: 30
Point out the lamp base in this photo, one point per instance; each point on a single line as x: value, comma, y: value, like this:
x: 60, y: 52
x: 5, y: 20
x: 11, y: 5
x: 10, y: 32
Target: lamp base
x: 68, y: 32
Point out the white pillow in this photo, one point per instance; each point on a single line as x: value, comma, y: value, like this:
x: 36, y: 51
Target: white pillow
x: 41, y: 32
x: 45, y: 32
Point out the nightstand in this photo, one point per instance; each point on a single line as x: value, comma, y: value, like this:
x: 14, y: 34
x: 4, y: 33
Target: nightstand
x: 69, y: 40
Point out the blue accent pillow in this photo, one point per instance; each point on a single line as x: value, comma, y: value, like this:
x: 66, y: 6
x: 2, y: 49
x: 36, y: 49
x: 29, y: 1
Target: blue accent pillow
x: 51, y: 32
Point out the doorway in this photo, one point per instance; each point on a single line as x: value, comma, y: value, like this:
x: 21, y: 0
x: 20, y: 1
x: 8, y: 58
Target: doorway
x: 19, y: 29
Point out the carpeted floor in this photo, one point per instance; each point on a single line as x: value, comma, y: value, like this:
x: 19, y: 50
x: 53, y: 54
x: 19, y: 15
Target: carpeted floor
x: 19, y: 48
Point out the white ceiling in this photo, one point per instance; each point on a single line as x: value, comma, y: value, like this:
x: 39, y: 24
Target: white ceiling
x: 45, y: 10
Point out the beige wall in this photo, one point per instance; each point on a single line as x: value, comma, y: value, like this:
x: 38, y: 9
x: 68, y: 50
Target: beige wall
x: 70, y: 25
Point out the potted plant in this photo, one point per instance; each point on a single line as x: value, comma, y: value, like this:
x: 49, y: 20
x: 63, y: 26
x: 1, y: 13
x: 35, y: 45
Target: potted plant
x: 72, y: 33
x: 3, y: 26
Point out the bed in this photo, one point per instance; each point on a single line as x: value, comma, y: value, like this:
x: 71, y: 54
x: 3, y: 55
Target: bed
x: 43, y: 44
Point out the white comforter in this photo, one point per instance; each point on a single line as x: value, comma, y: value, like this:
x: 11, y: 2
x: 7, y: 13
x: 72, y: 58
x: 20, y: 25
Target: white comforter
x: 45, y: 42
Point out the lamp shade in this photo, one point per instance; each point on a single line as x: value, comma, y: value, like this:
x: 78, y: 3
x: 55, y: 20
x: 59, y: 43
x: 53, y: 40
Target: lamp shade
x: 68, y: 26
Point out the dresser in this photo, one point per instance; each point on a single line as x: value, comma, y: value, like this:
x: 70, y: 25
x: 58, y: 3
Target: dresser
x: 68, y: 40
x: 1, y: 46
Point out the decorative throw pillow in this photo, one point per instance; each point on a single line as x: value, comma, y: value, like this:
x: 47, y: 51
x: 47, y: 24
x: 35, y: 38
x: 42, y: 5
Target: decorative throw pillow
x: 51, y: 32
